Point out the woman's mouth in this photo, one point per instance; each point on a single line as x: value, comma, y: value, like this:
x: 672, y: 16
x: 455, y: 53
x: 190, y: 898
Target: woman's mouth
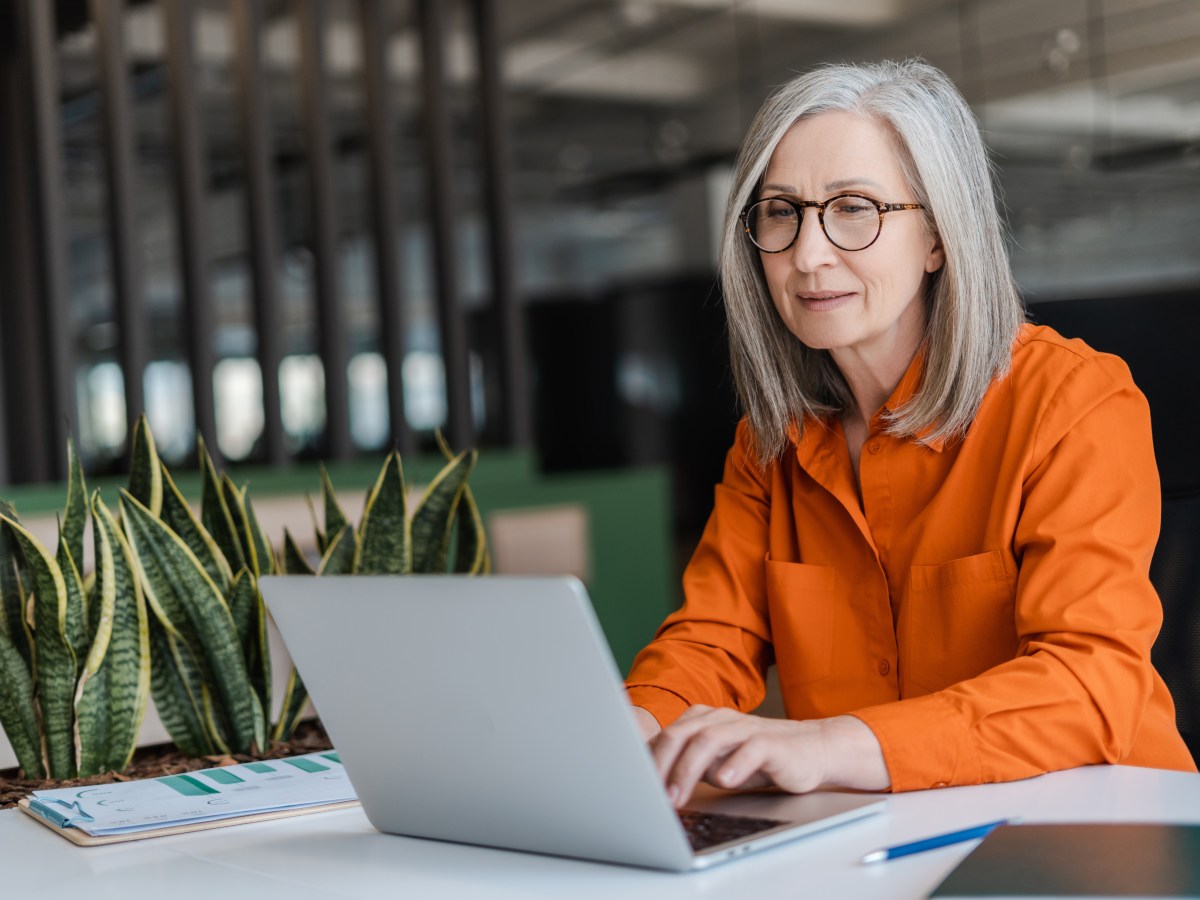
x: 819, y: 301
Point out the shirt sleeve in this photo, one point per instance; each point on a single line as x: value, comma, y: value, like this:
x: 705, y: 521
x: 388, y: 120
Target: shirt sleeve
x: 1085, y: 611
x: 715, y: 648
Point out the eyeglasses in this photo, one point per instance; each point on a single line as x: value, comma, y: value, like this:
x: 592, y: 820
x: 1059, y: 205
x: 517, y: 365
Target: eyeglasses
x: 850, y: 221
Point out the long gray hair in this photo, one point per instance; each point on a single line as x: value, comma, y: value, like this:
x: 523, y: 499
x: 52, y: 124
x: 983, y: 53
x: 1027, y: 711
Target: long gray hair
x: 973, y: 307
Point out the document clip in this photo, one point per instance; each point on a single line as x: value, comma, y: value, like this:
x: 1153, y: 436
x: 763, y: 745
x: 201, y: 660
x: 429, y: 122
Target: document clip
x: 59, y: 816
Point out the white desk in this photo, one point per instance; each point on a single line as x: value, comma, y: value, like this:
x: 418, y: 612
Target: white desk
x: 339, y: 854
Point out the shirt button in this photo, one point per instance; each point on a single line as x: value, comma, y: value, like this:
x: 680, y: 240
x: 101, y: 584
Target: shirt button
x: 874, y: 446
x: 884, y: 667
x: 939, y: 784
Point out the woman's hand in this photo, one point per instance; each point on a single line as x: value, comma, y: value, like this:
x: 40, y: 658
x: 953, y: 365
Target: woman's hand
x: 731, y: 750
x: 646, y: 723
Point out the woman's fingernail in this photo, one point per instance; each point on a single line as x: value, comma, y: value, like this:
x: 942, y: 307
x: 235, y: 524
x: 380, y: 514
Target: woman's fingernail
x: 727, y: 776
x: 672, y: 793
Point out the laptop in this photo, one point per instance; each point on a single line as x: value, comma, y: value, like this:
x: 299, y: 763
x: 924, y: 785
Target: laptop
x: 489, y: 711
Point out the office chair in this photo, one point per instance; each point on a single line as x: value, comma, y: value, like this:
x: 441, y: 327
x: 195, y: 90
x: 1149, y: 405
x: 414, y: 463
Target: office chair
x: 1156, y: 336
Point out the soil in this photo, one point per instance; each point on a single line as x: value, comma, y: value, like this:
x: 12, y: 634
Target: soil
x: 164, y: 759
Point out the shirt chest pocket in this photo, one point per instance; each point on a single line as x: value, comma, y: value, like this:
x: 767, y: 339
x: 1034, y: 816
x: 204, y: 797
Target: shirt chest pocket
x: 800, y: 598
x: 958, y: 620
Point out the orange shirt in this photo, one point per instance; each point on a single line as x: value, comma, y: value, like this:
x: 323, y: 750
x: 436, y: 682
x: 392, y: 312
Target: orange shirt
x: 985, y: 608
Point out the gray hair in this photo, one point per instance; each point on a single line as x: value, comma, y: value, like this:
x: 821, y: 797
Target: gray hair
x: 973, y: 308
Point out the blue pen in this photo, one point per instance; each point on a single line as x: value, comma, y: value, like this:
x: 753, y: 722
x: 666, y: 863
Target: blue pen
x: 930, y: 843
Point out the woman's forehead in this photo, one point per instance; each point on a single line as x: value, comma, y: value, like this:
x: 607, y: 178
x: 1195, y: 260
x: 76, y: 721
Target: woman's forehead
x: 835, y: 151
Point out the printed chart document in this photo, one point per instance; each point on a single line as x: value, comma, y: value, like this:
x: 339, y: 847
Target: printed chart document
x: 173, y: 803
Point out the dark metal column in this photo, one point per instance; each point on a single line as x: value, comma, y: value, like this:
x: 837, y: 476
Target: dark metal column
x: 57, y: 329
x: 384, y: 221
x: 262, y: 228
x: 460, y: 430
x: 109, y: 17
x: 191, y: 188
x: 514, y: 386
x: 331, y: 330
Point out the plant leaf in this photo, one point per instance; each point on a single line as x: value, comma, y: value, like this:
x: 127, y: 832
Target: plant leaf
x: 145, y: 475
x: 295, y: 700
x: 433, y: 519
x: 75, y: 516
x: 339, y: 555
x: 385, y: 544
x: 322, y: 541
x: 215, y: 514
x: 235, y: 501
x: 18, y: 715
x: 179, y: 517
x: 13, y: 601
x: 119, y: 660
x: 175, y: 686
x: 249, y: 617
x: 169, y: 569
x: 55, y: 662
x: 335, y: 519
x: 471, y: 552
x: 294, y: 560
x: 267, y: 563
x: 75, y: 622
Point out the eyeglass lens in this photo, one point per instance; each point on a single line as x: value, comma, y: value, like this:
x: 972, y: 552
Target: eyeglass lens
x: 851, y: 223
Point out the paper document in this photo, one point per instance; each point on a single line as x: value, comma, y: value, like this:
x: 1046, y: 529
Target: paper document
x: 206, y: 795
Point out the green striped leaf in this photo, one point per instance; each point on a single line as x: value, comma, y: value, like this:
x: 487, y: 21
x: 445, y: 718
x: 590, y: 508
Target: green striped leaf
x: 168, y: 568
x: 433, y: 519
x: 121, y: 669
x: 175, y: 687
x: 145, y: 475
x: 295, y: 701
x: 215, y: 514
x: 471, y: 551
x: 18, y: 715
x: 335, y: 519
x: 339, y: 555
x: 14, y: 622
x: 75, y: 621
x: 385, y: 545
x: 55, y: 660
x: 250, y: 619
x: 75, y: 516
x: 267, y: 563
x: 294, y: 560
x: 235, y: 501
x: 322, y: 541
x: 178, y: 515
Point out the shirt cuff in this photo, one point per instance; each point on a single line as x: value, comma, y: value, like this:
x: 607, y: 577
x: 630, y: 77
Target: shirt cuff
x: 925, y: 742
x: 664, y: 705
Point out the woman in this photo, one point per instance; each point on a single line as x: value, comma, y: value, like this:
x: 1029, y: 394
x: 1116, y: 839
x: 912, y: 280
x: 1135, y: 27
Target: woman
x: 936, y: 520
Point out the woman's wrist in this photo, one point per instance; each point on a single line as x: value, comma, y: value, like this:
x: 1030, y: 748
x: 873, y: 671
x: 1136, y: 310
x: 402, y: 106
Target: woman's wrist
x: 852, y: 755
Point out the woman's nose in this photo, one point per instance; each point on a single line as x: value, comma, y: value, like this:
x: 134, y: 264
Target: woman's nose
x: 812, y: 249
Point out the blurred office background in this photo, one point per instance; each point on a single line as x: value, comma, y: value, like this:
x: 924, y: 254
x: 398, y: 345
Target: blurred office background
x: 319, y: 228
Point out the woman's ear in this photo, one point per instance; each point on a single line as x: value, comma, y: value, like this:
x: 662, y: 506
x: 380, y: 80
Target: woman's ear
x: 936, y: 258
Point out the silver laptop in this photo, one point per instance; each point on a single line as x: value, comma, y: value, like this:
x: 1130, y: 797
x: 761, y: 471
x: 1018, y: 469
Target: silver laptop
x: 490, y: 711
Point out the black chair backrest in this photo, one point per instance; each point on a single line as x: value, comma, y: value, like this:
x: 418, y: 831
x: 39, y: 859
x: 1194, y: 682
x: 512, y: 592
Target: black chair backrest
x: 1175, y: 572
x: 1156, y: 336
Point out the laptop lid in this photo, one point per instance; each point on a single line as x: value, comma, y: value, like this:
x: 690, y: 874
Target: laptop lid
x: 486, y: 711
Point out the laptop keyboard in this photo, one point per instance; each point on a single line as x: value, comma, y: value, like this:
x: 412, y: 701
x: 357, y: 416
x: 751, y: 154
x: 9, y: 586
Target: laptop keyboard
x: 706, y: 830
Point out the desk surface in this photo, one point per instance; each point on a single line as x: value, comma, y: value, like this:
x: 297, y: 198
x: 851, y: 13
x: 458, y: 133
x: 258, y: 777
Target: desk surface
x: 339, y: 854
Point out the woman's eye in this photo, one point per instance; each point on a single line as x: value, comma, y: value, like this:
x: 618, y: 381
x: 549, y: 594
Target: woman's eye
x: 852, y: 208
x: 781, y: 211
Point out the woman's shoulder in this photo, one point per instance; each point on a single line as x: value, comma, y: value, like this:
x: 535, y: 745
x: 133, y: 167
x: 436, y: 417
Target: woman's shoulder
x: 1043, y: 357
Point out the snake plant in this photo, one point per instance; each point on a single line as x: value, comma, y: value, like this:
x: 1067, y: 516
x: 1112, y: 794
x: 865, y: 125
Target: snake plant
x: 173, y: 608
x: 74, y: 659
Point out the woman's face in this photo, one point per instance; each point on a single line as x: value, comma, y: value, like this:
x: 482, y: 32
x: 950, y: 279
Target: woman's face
x: 870, y: 301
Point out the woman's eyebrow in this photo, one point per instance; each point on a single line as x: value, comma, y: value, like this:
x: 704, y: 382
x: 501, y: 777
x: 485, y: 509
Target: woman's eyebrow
x: 839, y: 185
